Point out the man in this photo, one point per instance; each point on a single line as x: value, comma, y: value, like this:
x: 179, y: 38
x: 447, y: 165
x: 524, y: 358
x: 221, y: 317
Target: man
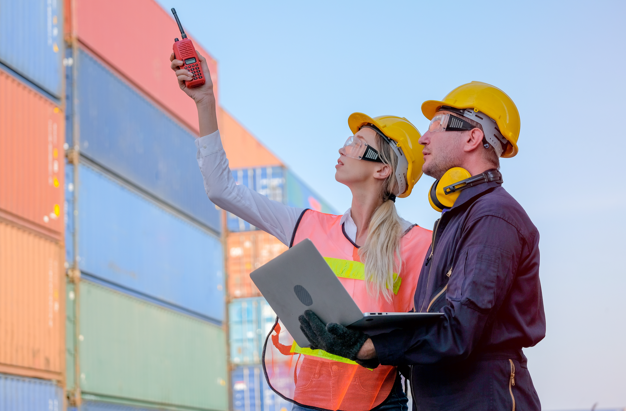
x: 482, y: 271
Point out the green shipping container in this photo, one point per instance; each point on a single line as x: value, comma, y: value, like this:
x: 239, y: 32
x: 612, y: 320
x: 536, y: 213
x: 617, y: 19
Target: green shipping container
x: 138, y: 353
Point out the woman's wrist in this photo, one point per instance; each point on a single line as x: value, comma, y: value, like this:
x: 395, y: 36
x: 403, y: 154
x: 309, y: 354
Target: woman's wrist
x: 206, y: 102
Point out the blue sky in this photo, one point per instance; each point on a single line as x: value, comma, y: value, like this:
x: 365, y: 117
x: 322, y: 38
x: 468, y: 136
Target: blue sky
x: 292, y: 72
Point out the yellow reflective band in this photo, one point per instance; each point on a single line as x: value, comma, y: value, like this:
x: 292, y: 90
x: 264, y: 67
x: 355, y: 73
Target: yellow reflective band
x: 296, y: 349
x: 355, y: 270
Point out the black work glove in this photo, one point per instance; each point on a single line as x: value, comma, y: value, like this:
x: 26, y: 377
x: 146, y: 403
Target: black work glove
x: 334, y: 338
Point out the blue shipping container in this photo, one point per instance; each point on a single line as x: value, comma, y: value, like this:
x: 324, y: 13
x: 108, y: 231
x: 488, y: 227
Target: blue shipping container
x: 130, y: 241
x: 27, y: 394
x: 31, y: 41
x: 252, y: 393
x: 106, y: 406
x: 125, y: 133
x: 300, y: 195
x: 249, y: 322
x: 69, y: 213
x: 268, y: 181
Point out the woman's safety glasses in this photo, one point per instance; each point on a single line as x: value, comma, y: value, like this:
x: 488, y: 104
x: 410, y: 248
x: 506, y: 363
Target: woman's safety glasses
x: 357, y: 147
x: 449, y: 122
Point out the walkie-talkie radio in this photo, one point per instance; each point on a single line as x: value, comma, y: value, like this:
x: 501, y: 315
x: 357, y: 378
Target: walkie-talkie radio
x: 184, y: 50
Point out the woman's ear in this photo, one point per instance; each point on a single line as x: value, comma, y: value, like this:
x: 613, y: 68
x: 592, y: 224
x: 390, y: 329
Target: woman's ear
x: 382, y: 171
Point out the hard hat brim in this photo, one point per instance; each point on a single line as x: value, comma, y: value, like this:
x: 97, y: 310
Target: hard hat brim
x: 358, y: 120
x: 430, y: 107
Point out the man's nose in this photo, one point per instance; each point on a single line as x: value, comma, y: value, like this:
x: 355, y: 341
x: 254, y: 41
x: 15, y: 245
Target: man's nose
x: 424, y: 139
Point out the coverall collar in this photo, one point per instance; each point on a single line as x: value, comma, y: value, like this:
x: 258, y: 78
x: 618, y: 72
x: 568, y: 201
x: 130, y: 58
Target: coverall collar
x: 469, y: 194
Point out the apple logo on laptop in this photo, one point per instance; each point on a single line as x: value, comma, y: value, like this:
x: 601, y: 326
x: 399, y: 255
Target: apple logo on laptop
x: 303, y: 295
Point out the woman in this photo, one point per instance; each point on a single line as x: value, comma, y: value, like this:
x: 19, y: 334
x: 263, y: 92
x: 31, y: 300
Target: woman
x: 375, y: 253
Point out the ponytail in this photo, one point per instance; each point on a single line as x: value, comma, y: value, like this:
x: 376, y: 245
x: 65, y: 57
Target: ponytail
x: 381, y: 251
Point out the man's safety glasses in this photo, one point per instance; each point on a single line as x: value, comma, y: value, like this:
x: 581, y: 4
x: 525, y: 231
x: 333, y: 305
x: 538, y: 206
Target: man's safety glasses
x: 449, y: 122
x: 357, y: 147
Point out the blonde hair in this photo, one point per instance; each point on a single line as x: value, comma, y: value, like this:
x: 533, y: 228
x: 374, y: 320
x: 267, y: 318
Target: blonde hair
x: 381, y: 251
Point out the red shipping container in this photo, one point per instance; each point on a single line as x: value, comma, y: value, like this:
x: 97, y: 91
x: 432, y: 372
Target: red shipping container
x: 32, y: 312
x: 247, y: 251
x: 31, y: 158
x: 136, y: 38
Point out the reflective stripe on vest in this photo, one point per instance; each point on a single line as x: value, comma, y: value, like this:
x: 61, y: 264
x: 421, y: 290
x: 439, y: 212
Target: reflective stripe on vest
x: 355, y: 270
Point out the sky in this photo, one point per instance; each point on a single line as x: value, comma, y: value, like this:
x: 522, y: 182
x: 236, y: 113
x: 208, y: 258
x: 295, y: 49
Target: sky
x: 292, y: 73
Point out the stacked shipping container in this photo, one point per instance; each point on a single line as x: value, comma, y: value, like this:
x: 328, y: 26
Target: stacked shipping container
x: 146, y: 290
x: 250, y: 318
x: 140, y: 240
x: 32, y: 307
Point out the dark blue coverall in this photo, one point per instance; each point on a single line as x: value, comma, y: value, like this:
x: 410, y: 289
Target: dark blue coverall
x: 482, y: 272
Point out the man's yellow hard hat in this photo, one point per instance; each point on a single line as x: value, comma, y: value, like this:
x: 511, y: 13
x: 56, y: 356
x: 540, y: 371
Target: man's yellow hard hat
x: 487, y: 99
x: 406, y: 136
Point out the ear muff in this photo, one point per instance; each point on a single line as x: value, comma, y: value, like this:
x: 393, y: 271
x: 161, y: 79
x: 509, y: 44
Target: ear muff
x: 444, y: 192
x: 437, y: 197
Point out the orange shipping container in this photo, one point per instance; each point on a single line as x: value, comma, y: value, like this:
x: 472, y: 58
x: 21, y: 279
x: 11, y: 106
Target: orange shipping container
x: 136, y: 38
x: 234, y: 137
x: 31, y: 158
x: 247, y: 251
x: 31, y: 309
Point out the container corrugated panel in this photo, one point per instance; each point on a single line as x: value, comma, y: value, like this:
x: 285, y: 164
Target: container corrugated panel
x: 26, y: 394
x: 235, y: 136
x: 136, y: 353
x: 31, y: 41
x: 128, y: 240
x: 108, y: 406
x: 69, y: 212
x: 268, y: 181
x: 31, y: 312
x: 302, y: 196
x: 249, y: 321
x: 252, y: 393
x: 128, y: 135
x: 139, y: 48
x: 31, y: 157
x: 247, y: 251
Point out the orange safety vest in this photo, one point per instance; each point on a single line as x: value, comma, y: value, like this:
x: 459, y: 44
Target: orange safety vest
x: 315, y: 378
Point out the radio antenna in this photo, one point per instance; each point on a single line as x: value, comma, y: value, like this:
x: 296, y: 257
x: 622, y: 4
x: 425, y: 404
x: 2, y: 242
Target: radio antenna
x: 180, y: 26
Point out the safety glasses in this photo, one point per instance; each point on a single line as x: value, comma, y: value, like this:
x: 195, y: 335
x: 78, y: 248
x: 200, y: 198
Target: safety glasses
x: 357, y: 147
x: 449, y: 122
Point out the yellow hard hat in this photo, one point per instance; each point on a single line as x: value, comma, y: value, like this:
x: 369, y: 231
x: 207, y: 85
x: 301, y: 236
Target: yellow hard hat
x: 487, y: 99
x: 406, y: 136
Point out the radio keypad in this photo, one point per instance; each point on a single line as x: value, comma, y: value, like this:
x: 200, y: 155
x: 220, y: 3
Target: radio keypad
x: 195, y: 71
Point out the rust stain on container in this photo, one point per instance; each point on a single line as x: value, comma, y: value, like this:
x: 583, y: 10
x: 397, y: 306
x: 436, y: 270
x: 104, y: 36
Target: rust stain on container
x: 247, y: 251
x: 31, y: 158
x: 31, y: 308
x: 235, y: 136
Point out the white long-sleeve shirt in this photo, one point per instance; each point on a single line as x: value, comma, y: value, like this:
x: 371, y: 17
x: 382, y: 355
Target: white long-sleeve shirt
x: 270, y: 216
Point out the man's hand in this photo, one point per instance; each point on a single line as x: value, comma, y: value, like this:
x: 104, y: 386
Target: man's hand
x: 336, y: 339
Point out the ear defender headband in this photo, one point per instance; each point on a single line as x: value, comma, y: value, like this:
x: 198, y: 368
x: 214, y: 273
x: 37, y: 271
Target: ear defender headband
x: 444, y: 192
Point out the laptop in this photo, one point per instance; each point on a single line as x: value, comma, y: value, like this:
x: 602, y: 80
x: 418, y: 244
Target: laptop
x: 300, y: 280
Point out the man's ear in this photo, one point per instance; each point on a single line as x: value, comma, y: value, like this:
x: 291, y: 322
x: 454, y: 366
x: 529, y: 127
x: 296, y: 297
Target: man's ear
x: 382, y: 171
x: 473, y: 139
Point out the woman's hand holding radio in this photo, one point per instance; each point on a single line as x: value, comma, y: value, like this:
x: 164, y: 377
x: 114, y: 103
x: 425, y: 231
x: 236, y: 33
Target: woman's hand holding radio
x: 202, y: 95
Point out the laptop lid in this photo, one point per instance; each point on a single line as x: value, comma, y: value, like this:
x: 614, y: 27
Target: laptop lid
x: 300, y: 280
